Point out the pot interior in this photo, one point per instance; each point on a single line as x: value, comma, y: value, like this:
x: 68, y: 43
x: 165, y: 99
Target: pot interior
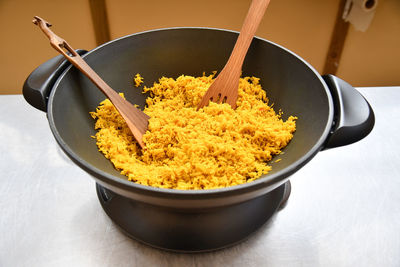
x: 291, y: 84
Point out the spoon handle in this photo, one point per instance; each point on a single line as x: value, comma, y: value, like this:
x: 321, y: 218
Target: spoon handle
x: 249, y: 28
x: 136, y: 119
x: 72, y: 56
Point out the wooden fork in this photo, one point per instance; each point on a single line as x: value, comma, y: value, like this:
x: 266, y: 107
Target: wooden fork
x: 224, y: 89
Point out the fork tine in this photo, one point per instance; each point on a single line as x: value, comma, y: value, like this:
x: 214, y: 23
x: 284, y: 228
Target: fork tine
x: 231, y: 101
x: 218, y: 99
x: 203, y: 102
x: 221, y: 98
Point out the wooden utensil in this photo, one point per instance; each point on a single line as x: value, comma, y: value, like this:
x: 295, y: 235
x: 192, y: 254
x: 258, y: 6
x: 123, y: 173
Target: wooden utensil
x: 224, y: 89
x: 136, y: 119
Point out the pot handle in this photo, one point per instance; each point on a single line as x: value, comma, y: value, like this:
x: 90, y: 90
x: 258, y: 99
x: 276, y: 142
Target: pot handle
x: 38, y: 85
x: 354, y: 118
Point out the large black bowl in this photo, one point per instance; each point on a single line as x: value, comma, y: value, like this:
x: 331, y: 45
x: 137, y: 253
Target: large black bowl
x: 331, y: 113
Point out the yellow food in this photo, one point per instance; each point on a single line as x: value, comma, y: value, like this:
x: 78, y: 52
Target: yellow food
x: 187, y: 148
x: 138, y: 80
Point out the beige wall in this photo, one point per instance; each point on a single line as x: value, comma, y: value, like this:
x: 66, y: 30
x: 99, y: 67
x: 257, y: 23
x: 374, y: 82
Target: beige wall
x: 302, y: 26
x: 373, y: 58
x: 24, y: 46
x: 369, y: 59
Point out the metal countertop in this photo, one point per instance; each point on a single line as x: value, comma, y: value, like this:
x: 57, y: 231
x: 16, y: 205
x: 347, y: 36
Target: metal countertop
x: 344, y: 209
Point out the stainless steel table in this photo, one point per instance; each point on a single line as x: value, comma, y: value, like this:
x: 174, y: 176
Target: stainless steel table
x: 344, y: 209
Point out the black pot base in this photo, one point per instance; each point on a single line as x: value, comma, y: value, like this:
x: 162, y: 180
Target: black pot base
x: 188, y: 231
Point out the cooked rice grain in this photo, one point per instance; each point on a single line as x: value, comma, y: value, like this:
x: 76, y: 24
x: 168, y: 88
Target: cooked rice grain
x: 138, y: 80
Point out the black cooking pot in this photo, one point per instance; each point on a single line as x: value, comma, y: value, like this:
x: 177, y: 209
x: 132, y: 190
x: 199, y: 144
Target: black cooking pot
x: 331, y: 113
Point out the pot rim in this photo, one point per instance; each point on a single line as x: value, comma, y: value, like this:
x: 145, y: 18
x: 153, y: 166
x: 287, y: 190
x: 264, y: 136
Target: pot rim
x: 263, y: 181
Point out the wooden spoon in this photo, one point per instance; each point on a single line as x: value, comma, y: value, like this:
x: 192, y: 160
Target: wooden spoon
x: 136, y: 119
x: 225, y: 86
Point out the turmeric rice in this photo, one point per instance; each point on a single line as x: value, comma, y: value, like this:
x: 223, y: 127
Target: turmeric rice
x: 190, y: 149
x: 138, y: 80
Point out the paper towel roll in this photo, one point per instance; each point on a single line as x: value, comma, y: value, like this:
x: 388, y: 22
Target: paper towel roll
x: 360, y: 13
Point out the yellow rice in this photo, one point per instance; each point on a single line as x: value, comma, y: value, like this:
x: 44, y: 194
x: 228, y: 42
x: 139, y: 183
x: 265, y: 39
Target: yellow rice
x: 138, y: 80
x: 195, y: 149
